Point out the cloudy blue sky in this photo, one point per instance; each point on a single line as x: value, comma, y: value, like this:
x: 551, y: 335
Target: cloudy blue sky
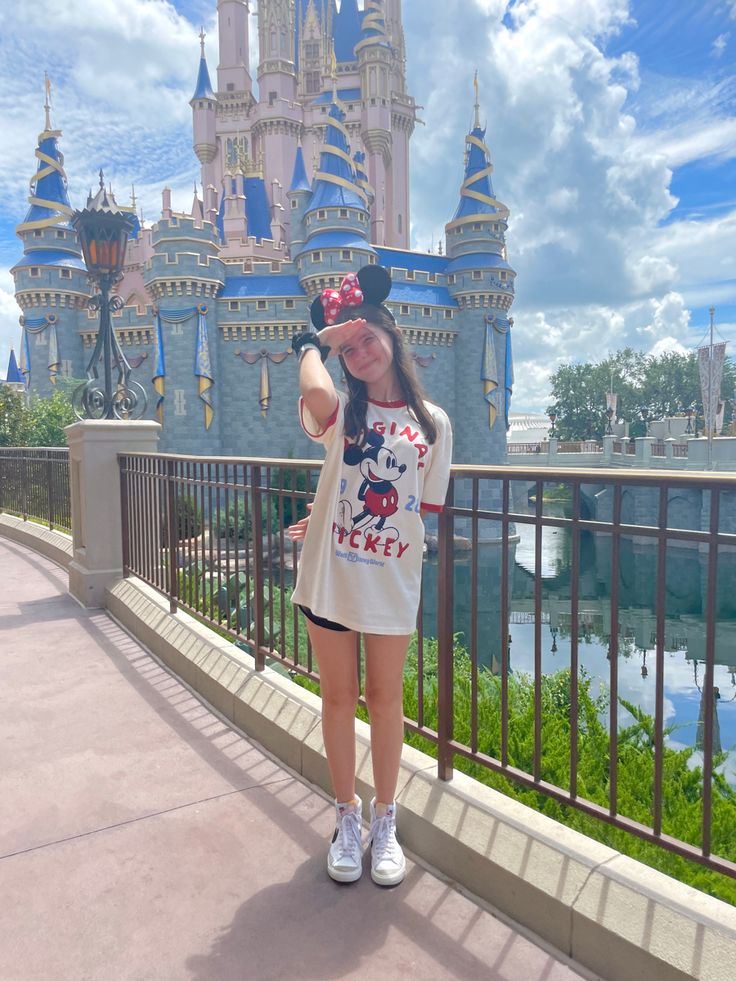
x: 612, y: 125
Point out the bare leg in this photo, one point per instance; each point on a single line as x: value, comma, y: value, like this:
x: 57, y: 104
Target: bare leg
x: 338, y: 672
x: 384, y: 672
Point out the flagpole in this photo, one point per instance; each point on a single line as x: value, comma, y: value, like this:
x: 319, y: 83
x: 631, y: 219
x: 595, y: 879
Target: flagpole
x: 711, y: 414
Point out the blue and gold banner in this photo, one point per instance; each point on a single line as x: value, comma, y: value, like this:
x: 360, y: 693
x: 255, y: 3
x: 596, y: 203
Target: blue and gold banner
x: 203, y: 365
x: 38, y: 326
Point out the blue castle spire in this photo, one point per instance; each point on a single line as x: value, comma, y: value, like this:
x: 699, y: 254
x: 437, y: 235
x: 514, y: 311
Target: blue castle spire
x: 13, y: 375
x: 335, y: 184
x: 347, y: 31
x: 299, y: 180
x: 49, y: 197
x: 204, y: 86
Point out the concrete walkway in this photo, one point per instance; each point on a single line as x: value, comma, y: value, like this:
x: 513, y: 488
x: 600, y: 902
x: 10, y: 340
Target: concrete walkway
x: 143, y: 838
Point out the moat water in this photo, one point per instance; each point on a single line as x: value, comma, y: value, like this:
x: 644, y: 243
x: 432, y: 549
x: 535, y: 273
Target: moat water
x: 685, y: 630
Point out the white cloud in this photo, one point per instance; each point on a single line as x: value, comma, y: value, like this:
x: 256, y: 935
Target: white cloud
x: 719, y: 45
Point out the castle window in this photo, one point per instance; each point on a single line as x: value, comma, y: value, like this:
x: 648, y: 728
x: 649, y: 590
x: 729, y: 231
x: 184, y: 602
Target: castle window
x: 477, y: 226
x: 321, y: 213
x: 60, y: 234
x: 275, y: 266
x: 503, y: 275
x: 405, y: 309
x: 65, y: 273
x: 448, y: 314
x: 316, y: 257
x: 400, y: 223
x: 274, y: 47
x: 230, y: 86
x: 343, y: 212
x: 477, y: 274
x: 426, y: 312
x: 432, y: 278
x: 34, y: 271
x: 313, y: 81
x: 37, y: 232
x: 410, y: 274
x: 261, y: 305
x: 289, y: 304
x: 347, y: 255
x: 311, y: 51
x: 451, y: 279
x: 284, y: 49
x: 233, y: 305
x: 294, y: 203
x: 272, y: 97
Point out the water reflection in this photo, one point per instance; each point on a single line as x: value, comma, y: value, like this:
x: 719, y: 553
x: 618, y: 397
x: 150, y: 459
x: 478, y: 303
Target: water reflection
x: 685, y: 634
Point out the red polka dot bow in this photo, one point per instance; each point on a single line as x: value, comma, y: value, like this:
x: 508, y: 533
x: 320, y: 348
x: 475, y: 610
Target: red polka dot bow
x: 334, y: 301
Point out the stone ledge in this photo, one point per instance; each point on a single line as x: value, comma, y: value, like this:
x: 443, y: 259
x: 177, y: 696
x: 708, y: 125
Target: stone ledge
x: 55, y: 545
x: 607, y: 912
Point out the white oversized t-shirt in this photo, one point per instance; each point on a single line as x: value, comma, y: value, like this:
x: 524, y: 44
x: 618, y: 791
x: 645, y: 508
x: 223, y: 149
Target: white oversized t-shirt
x: 361, y: 564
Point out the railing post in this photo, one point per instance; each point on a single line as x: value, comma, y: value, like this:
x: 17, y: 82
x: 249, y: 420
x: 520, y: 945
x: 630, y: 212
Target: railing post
x: 445, y: 645
x: 124, y: 521
x: 257, y: 512
x: 50, y: 485
x: 172, y: 535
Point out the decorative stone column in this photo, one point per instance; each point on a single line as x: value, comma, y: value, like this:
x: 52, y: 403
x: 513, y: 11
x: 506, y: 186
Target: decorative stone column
x: 94, y: 445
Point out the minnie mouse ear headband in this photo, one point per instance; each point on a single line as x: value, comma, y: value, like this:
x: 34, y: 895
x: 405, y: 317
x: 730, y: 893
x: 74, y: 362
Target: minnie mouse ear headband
x: 371, y: 285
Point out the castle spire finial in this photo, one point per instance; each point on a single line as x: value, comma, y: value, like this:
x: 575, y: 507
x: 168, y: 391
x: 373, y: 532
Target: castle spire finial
x: 477, y: 100
x: 102, y: 180
x: 47, y: 103
x: 133, y: 201
x: 202, y: 36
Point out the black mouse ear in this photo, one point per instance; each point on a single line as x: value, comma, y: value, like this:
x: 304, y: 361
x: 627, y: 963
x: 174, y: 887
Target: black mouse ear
x: 375, y: 281
x: 317, y: 313
x: 374, y: 438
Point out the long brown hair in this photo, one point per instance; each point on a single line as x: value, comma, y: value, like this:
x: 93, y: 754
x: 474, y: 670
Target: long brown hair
x: 357, y: 407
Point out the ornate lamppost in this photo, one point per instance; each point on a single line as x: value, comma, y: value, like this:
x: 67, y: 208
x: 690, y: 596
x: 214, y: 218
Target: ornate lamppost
x: 103, y: 231
x: 645, y: 413
x: 689, y: 414
x: 552, y: 418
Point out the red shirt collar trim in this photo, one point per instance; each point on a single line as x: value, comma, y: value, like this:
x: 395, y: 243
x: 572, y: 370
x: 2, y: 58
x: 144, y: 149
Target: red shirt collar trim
x: 388, y: 405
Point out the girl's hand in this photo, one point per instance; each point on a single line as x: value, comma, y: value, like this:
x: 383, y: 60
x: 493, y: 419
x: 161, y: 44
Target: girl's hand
x: 297, y: 532
x: 338, y: 334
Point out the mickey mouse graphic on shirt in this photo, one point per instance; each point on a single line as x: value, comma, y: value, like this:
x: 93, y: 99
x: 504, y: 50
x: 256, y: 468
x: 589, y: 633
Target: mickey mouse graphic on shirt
x: 380, y: 470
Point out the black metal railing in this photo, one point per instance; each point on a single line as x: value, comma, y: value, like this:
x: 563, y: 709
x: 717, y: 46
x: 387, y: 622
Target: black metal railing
x: 34, y: 484
x: 210, y: 534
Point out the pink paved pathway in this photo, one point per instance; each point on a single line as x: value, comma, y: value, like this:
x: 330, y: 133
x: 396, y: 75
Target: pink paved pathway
x: 143, y: 838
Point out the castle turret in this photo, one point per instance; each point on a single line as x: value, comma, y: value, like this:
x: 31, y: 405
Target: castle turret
x: 185, y: 275
x: 337, y: 219
x: 51, y: 282
x: 299, y: 195
x: 204, y: 111
x: 481, y: 280
x: 233, y: 72
x: 278, y: 123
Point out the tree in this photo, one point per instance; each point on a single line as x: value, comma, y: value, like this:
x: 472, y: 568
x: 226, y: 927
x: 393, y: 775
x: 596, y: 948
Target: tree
x: 666, y: 385
x: 36, y: 421
x: 13, y: 419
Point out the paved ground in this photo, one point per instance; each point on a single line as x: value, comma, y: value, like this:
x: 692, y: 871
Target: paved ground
x: 142, y: 838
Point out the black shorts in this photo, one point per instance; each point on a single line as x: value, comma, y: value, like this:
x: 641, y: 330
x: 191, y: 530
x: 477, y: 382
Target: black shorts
x: 321, y: 621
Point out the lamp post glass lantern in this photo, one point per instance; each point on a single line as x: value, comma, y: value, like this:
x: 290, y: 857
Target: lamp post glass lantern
x: 103, y: 231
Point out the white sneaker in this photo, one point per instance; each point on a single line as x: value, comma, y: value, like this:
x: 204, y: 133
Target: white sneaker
x: 388, y: 865
x: 345, y: 857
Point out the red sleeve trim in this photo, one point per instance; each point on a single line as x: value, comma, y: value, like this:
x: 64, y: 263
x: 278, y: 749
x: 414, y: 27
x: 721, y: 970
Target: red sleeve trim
x: 330, y: 422
x: 434, y: 508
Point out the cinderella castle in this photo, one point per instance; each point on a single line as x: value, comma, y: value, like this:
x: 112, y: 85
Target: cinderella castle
x: 301, y: 184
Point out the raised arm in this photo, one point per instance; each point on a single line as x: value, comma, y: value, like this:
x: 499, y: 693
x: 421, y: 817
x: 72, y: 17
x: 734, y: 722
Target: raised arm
x: 316, y: 386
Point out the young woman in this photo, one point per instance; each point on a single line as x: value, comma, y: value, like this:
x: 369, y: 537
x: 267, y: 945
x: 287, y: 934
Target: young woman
x: 388, y: 462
